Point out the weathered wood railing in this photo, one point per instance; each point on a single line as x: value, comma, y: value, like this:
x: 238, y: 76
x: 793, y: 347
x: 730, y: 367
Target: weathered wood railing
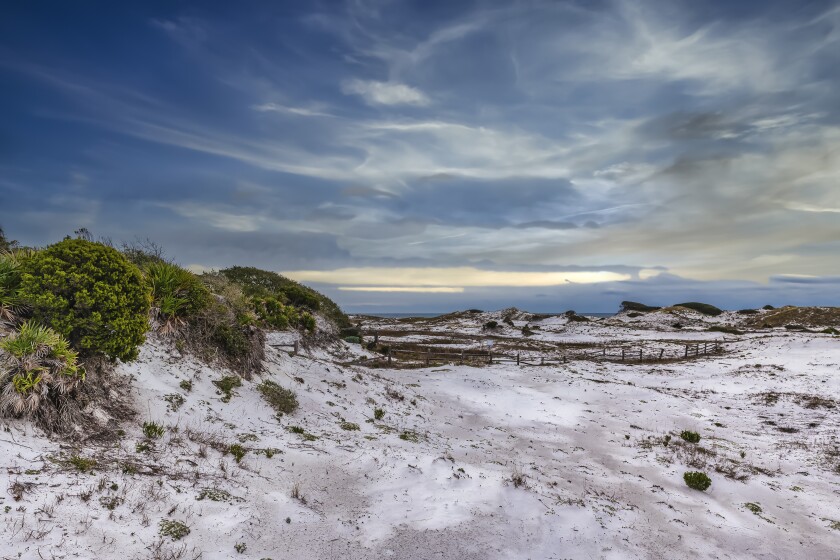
x: 427, y: 355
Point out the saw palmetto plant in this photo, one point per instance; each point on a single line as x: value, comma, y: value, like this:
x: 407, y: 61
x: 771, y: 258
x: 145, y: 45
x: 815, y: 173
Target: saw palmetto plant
x: 177, y: 294
x: 35, y: 363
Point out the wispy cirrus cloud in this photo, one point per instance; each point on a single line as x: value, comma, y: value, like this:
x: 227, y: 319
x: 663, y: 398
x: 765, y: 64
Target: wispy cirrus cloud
x: 385, y: 93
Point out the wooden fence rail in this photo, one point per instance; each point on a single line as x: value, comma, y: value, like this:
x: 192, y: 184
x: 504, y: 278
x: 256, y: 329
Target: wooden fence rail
x: 606, y: 353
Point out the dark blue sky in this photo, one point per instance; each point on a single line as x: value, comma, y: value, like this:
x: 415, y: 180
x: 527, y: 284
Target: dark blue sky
x: 439, y: 155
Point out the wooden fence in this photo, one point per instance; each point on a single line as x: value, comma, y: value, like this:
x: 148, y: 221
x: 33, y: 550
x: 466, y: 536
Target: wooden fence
x: 295, y: 347
x: 428, y: 355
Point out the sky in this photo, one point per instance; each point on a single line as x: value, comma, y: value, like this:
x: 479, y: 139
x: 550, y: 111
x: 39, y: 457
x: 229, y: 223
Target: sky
x: 436, y: 155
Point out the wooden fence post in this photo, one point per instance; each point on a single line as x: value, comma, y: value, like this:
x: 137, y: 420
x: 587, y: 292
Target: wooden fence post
x: 622, y: 354
x: 640, y: 354
x: 517, y: 358
x: 686, y: 350
x: 389, y: 356
x: 542, y: 360
x: 490, y: 355
x: 297, y: 348
x: 376, y: 337
x: 661, y: 351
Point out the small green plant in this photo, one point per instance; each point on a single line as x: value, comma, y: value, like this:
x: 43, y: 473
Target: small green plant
x: 830, y: 330
x: 186, y: 385
x: 142, y: 447
x: 110, y: 502
x: 217, y: 495
x: 240, y: 548
x: 690, y: 437
x: 281, y: 400
x: 697, y: 480
x: 175, y: 401
x: 82, y: 464
x: 755, y: 508
x: 226, y: 386
x: 349, y: 426
x: 410, y: 435
x: 176, y: 530
x: 237, y: 451
x: 153, y: 430
x: 378, y: 413
x: 296, y: 429
x: 353, y: 339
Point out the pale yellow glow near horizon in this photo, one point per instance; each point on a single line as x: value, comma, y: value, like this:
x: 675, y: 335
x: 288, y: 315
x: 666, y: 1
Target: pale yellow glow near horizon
x: 463, y: 276
x: 413, y: 289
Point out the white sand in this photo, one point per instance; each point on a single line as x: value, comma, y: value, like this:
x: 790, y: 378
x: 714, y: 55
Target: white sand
x: 590, y: 492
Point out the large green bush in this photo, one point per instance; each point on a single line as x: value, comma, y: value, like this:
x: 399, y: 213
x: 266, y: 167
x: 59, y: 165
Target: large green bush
x: 11, y: 304
x: 704, y: 308
x: 636, y: 306
x: 90, y: 294
x: 264, y: 283
x: 177, y: 294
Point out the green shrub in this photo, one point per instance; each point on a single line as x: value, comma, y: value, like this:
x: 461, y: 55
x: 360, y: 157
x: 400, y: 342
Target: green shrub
x: 231, y: 339
x: 5, y: 244
x: 747, y: 312
x: 256, y: 282
x: 232, y: 295
x: 697, y: 480
x: 768, y: 308
x: 378, y: 413
x: 353, y: 339
x: 307, y: 322
x: 410, y: 435
x: 349, y: 426
x: 275, y: 313
x: 38, y: 364
x: 490, y: 325
x: 690, y: 437
x: 636, y: 306
x: 226, y: 386
x: 703, y: 308
x: 282, y: 400
x: 177, y: 294
x: 237, y: 451
x: 91, y: 295
x: 11, y: 303
x: 81, y: 464
x: 830, y: 330
x: 176, y: 530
